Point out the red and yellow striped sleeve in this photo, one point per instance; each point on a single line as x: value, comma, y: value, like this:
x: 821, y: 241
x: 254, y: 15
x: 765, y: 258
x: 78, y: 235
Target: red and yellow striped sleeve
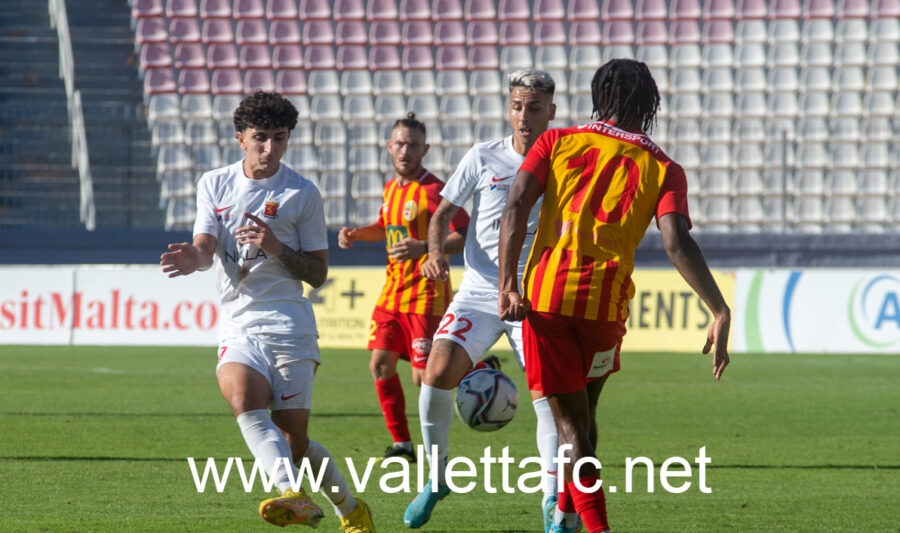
x: 537, y: 162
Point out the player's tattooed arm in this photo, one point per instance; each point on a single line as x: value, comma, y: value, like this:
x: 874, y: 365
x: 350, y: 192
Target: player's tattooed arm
x: 439, y: 227
x: 311, y: 267
x: 436, y: 265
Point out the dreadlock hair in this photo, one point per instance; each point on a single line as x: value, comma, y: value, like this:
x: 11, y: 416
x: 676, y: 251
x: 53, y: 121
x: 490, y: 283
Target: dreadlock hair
x: 625, y: 89
x: 265, y: 110
x: 410, y: 122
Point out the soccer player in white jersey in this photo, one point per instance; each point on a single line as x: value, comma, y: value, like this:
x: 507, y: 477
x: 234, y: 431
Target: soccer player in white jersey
x: 262, y: 226
x: 471, y: 324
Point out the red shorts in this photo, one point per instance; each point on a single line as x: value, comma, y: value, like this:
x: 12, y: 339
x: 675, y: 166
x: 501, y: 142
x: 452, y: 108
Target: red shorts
x: 405, y: 333
x: 563, y: 354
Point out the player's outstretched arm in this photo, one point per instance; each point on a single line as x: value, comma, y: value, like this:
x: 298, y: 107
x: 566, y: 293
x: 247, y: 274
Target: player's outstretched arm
x: 436, y: 266
x: 513, y: 226
x: 685, y: 254
x: 371, y: 233
x: 186, y: 258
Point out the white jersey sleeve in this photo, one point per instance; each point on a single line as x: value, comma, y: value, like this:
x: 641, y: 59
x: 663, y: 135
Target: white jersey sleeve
x: 491, y: 167
x: 206, y: 222
x: 464, y: 181
x: 311, y: 230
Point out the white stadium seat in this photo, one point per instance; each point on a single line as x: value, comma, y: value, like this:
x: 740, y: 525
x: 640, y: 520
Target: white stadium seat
x: 752, y: 92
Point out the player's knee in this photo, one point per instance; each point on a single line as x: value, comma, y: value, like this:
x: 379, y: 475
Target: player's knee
x: 569, y: 432
x: 382, y: 367
x: 240, y: 402
x: 432, y: 371
x: 437, y: 361
x: 449, y: 372
x: 240, y: 407
x: 381, y: 372
x: 237, y: 408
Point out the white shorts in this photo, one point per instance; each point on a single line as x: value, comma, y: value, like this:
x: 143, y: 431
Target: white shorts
x: 288, y: 364
x: 472, y: 321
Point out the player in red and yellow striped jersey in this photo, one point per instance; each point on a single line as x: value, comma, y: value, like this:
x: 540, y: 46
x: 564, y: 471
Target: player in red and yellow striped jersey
x: 405, y: 214
x: 602, y: 184
x: 410, y: 307
x: 583, y: 254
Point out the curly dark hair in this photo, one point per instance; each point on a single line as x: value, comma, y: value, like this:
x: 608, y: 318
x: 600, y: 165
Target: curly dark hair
x: 265, y: 110
x: 410, y: 122
x: 625, y: 89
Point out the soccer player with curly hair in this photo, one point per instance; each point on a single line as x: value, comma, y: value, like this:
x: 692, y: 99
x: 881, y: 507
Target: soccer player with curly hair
x: 262, y: 227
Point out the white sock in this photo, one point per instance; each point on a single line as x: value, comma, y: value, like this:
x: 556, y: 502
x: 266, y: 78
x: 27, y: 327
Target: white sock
x: 564, y: 519
x: 333, y: 484
x: 547, y: 443
x: 406, y: 445
x: 436, y: 413
x: 267, y: 443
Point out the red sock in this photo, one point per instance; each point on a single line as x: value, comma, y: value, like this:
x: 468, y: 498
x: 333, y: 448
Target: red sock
x: 591, y: 506
x: 478, y: 366
x: 565, y: 503
x: 393, y: 405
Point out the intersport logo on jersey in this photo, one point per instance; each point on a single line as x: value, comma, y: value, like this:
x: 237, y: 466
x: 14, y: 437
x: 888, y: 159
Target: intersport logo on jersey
x: 105, y: 305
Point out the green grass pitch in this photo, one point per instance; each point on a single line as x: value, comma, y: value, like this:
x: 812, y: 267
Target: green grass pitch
x: 97, y: 439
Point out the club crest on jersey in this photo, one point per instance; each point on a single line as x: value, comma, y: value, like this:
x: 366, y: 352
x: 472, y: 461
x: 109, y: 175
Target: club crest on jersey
x: 271, y: 210
x: 410, y: 210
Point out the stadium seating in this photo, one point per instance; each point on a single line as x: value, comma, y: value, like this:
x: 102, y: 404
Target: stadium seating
x: 771, y: 105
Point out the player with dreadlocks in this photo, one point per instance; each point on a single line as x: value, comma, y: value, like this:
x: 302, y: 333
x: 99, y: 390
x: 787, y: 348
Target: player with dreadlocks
x: 624, y: 89
x: 602, y: 185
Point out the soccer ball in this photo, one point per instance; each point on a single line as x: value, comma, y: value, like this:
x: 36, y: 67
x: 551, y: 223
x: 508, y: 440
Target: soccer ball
x: 486, y: 400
